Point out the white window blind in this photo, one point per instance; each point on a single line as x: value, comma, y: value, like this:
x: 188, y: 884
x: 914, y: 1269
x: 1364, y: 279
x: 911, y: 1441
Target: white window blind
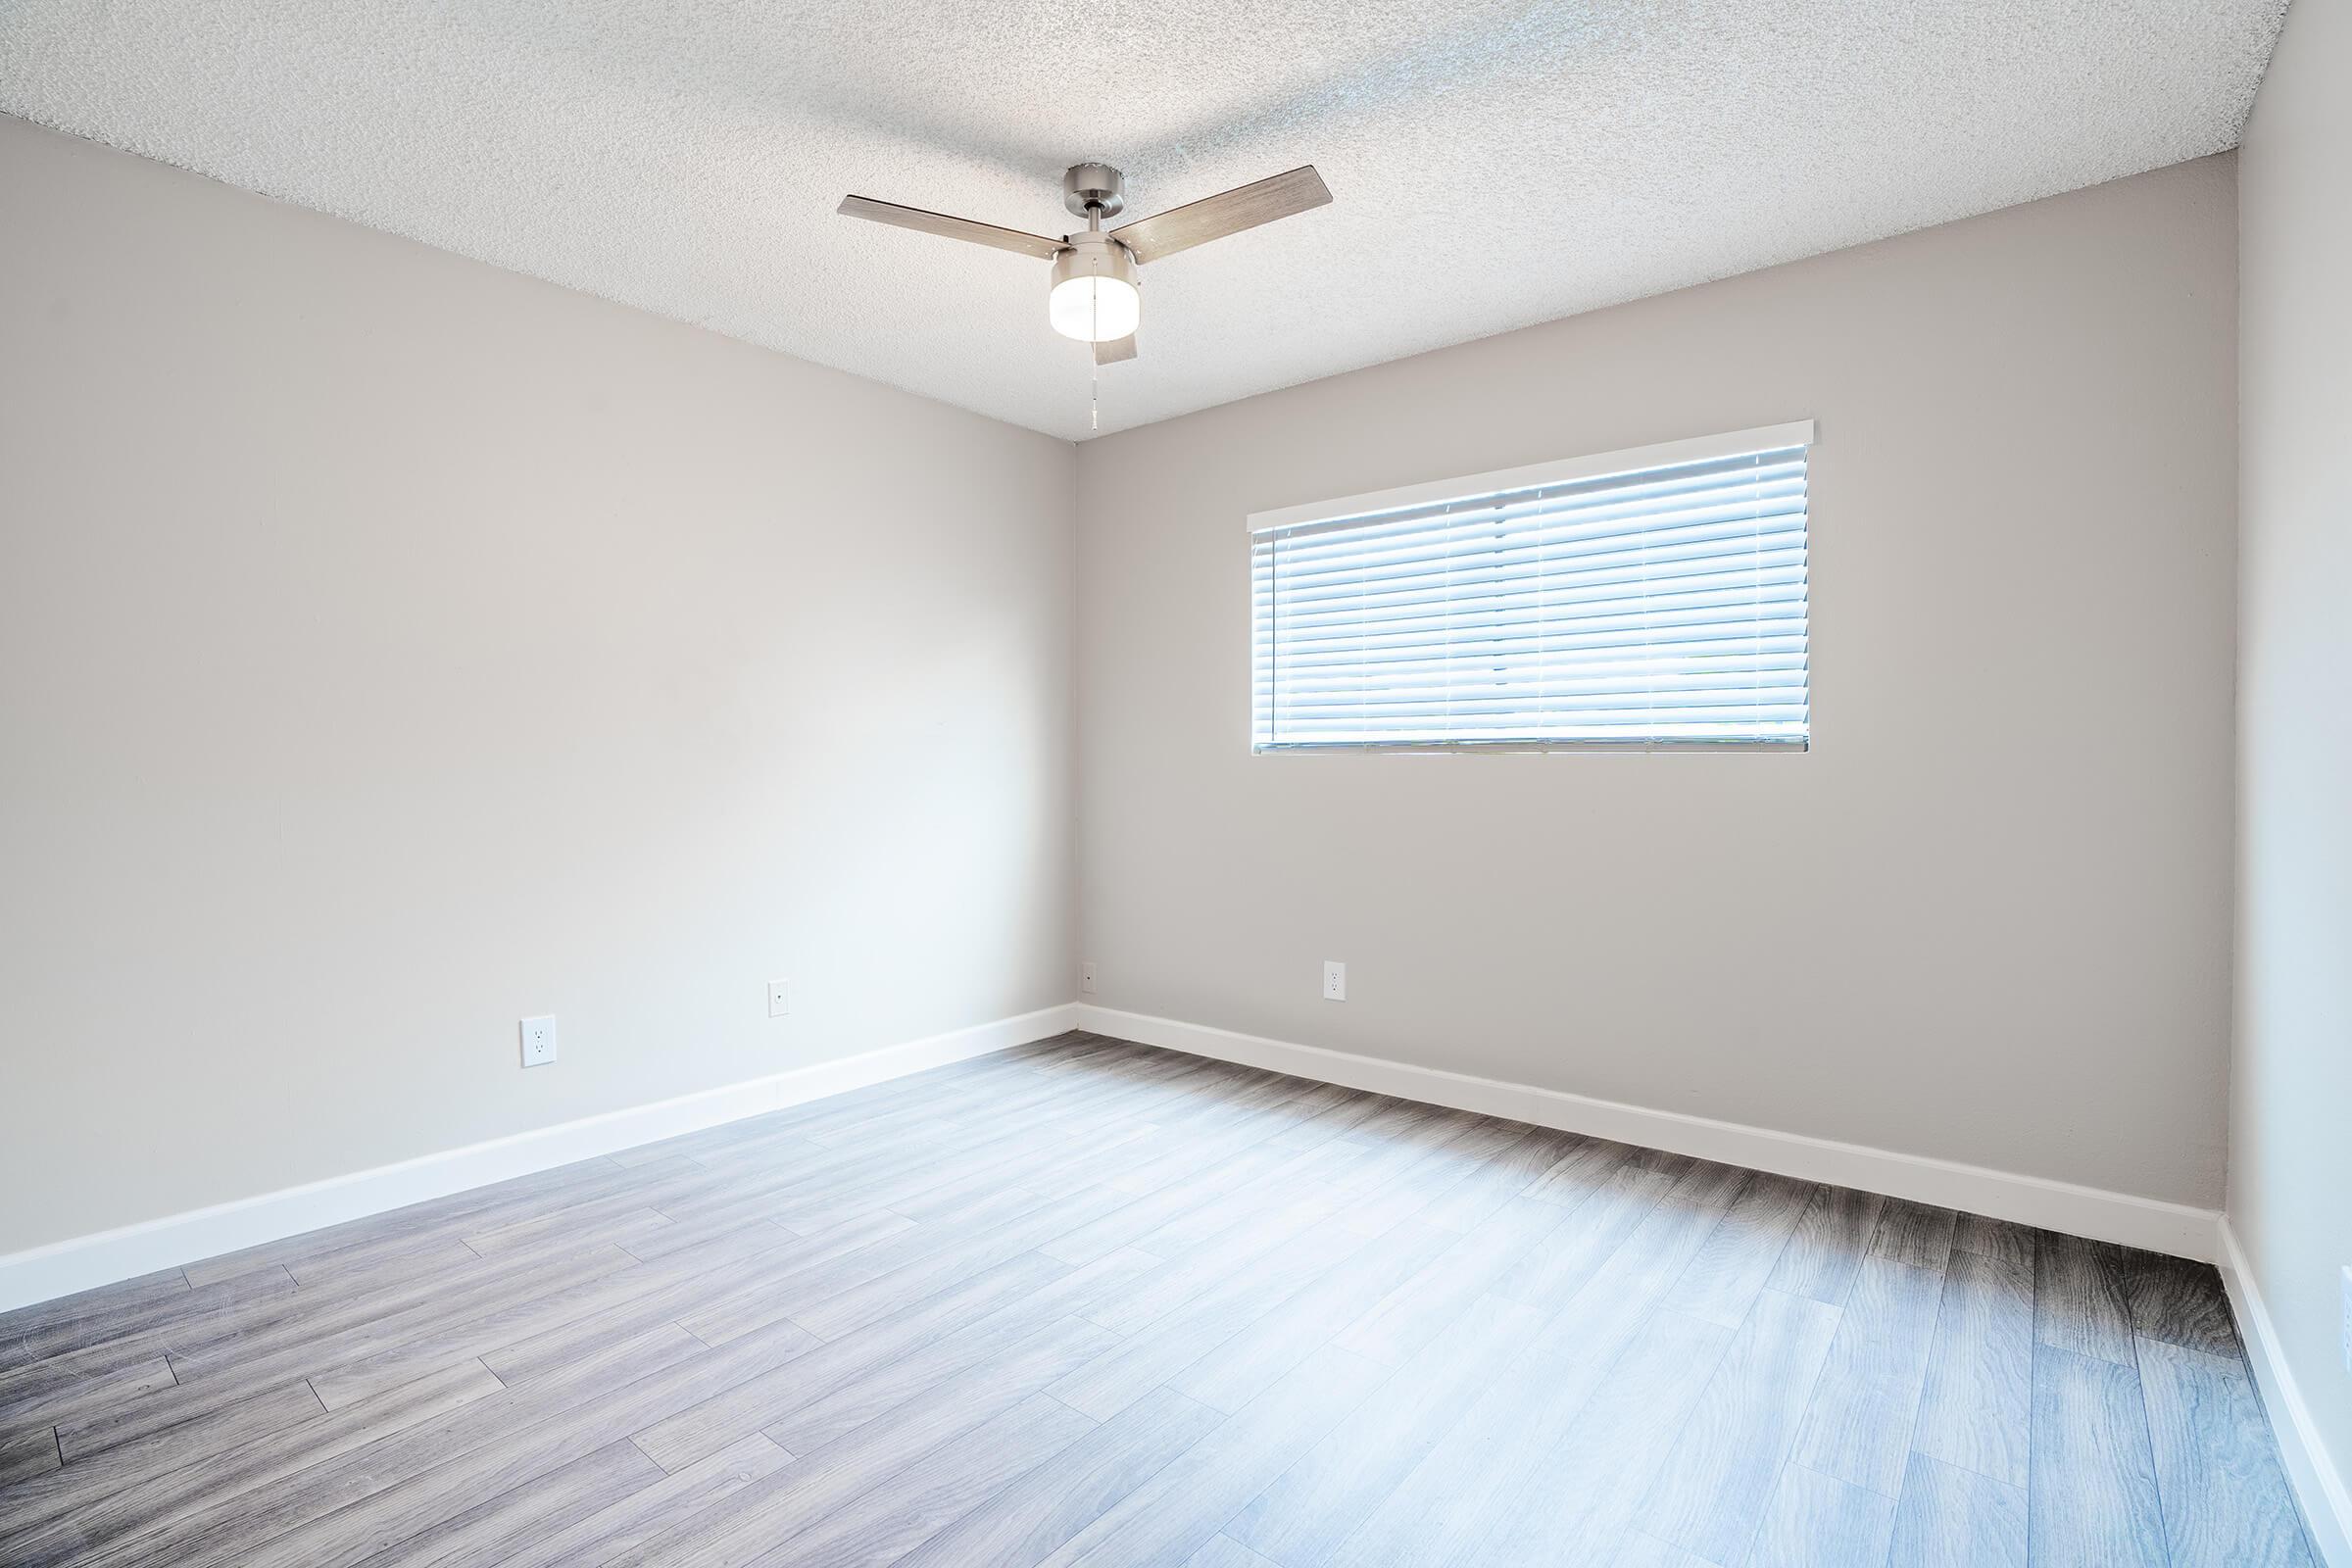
x: 1654, y: 598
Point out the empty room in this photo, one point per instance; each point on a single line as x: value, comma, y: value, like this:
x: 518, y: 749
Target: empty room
x: 1252, y: 785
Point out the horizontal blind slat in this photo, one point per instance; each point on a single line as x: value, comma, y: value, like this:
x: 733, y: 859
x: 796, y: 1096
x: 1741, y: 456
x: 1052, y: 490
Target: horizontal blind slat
x: 1653, y: 488
x: 1570, y: 533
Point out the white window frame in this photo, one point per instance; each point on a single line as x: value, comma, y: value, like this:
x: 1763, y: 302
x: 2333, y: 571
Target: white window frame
x: 1533, y: 475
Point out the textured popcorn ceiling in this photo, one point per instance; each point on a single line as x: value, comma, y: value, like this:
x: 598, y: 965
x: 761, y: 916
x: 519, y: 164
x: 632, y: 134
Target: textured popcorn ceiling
x: 1492, y: 165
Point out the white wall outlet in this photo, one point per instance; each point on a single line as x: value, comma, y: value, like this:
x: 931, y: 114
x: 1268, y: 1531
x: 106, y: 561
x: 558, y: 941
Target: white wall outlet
x: 2346, y: 1334
x: 779, y: 998
x: 1335, y: 981
x: 1086, y: 977
x: 538, y: 1040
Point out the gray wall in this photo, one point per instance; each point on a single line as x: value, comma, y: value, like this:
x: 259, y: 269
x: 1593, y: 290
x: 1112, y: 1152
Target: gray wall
x: 2291, y: 1148
x: 391, y: 645
x: 1986, y: 919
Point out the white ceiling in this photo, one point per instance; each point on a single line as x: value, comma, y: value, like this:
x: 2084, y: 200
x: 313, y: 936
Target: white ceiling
x: 1492, y: 165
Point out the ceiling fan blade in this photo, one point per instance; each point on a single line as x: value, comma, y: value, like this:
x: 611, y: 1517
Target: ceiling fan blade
x: 939, y: 224
x: 1118, y: 349
x: 1180, y: 228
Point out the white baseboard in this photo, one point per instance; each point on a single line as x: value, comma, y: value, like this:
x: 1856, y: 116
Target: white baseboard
x: 2143, y: 1222
x: 61, y: 1268
x: 2310, y: 1468
x: 41, y: 1273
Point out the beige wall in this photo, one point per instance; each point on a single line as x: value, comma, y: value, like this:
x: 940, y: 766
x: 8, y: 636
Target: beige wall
x: 2290, y: 1147
x: 1986, y: 919
x: 391, y: 645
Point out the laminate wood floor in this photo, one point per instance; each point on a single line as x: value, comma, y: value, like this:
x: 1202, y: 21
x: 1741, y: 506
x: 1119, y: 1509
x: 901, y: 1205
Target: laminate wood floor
x: 1088, y: 1302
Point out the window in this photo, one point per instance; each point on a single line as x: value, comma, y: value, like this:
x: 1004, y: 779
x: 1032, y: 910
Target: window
x: 1654, y: 598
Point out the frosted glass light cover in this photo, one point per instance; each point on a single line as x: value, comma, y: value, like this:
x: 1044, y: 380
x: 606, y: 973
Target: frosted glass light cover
x: 1095, y: 309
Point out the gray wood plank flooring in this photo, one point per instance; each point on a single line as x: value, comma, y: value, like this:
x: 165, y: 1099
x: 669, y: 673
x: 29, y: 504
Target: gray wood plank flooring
x: 1092, y: 1304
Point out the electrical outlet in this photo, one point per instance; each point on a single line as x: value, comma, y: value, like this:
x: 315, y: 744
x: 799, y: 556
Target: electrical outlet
x: 779, y: 998
x: 538, y: 1040
x: 1086, y: 977
x: 1335, y: 981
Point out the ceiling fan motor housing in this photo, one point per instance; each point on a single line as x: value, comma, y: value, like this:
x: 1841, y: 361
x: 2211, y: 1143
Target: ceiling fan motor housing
x: 1095, y: 185
x: 1097, y: 255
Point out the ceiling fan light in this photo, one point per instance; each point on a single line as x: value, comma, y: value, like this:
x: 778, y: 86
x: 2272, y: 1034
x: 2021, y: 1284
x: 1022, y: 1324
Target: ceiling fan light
x: 1095, y: 310
x: 1094, y: 297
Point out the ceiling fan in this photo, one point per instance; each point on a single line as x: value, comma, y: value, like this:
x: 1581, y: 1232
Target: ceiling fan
x: 1097, y: 296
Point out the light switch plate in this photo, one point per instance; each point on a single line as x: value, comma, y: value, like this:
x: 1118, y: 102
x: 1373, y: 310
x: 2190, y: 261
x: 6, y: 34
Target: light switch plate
x: 2346, y: 1332
x: 538, y: 1040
